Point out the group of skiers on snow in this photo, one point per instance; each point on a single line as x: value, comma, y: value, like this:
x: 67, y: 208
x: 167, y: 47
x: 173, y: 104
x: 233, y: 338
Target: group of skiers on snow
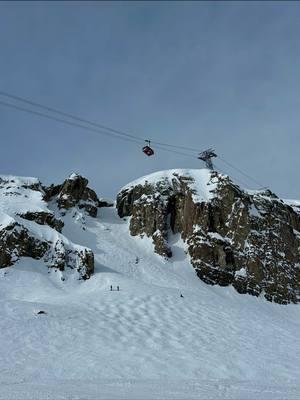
x: 136, y: 261
x: 118, y: 289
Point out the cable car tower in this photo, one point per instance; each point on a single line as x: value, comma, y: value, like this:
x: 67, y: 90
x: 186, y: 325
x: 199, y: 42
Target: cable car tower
x: 206, y: 156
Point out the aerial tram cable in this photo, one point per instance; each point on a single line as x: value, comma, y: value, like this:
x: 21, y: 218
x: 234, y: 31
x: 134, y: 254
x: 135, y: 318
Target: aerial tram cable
x: 71, y: 116
x: 244, y: 185
x: 105, y: 130
x: 66, y: 122
x: 70, y: 123
x: 86, y: 121
x: 243, y: 173
x: 176, y: 152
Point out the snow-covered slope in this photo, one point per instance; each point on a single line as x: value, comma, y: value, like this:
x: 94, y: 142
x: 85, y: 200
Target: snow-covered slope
x: 144, y: 341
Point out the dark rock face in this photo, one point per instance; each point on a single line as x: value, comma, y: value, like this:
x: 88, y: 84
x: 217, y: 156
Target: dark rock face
x: 51, y: 191
x: 248, y: 240
x: 16, y: 241
x: 44, y: 218
x: 149, y: 215
x: 75, y: 192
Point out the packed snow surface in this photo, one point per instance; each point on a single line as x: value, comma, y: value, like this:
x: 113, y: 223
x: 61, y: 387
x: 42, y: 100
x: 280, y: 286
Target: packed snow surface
x: 143, y: 341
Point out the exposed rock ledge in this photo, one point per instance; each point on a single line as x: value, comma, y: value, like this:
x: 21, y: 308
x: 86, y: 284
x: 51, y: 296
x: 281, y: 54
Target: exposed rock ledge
x: 250, y: 240
x: 29, y: 228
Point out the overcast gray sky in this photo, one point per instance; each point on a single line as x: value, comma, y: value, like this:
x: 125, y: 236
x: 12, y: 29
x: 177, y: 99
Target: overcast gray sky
x: 222, y: 74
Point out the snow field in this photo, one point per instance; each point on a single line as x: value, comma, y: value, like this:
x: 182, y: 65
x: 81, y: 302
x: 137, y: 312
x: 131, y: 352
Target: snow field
x: 144, y: 341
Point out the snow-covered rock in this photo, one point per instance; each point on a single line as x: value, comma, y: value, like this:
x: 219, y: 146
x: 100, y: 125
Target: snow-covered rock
x: 74, y: 192
x: 28, y: 228
x: 226, y: 229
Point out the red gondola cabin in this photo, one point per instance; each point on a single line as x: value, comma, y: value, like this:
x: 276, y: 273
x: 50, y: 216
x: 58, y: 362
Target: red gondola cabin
x: 148, y: 151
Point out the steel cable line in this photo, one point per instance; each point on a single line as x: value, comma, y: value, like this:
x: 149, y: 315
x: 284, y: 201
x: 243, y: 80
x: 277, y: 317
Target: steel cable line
x: 64, y: 114
x: 86, y: 121
x: 51, y: 117
x: 234, y: 178
x: 99, y: 128
x: 176, y: 152
x: 241, y: 172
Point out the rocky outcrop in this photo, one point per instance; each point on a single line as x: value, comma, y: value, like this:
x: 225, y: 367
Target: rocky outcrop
x: 250, y: 240
x: 61, y: 256
x: 74, y: 192
x: 28, y: 228
x: 16, y: 241
x: 44, y: 218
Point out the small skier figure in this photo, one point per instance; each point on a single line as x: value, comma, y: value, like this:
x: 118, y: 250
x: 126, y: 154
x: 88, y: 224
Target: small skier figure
x: 181, y: 295
x: 137, y: 260
x: 118, y: 288
x: 111, y: 288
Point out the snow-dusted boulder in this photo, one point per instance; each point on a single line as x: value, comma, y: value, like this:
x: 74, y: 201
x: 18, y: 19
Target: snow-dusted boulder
x: 250, y: 240
x: 74, y: 192
x: 44, y: 218
x: 28, y: 228
x: 16, y: 241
